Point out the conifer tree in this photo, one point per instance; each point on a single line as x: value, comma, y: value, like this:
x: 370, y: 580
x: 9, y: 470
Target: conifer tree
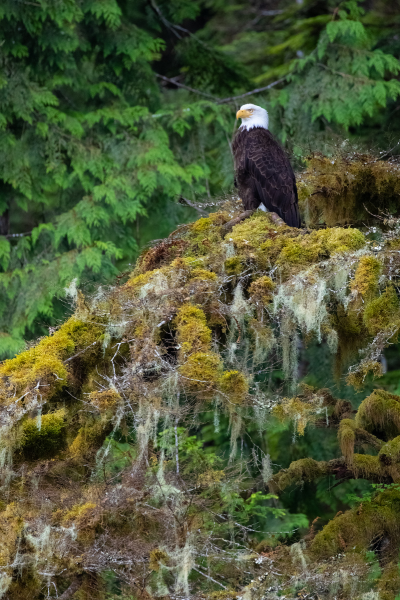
x: 84, y: 149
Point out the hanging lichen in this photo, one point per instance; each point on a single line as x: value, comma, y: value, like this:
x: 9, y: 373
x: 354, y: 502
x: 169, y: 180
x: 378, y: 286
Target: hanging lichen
x: 105, y: 475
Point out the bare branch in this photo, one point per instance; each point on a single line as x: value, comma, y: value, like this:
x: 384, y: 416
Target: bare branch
x: 220, y: 100
x: 185, y: 87
x: 256, y: 91
x: 208, y: 577
x: 183, y: 200
x: 81, y: 352
x: 74, y: 587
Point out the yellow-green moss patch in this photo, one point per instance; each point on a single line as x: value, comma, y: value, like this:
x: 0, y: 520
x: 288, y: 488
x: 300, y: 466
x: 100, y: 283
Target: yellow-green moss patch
x: 366, y: 278
x: 44, y: 363
x: 43, y: 436
x: 201, y: 372
x: 380, y: 411
x: 235, y: 386
x: 193, y: 335
x: 383, y: 312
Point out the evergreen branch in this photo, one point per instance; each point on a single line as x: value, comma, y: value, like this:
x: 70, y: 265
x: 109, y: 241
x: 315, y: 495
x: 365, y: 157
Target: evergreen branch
x: 167, y: 23
x: 173, y: 27
x: 29, y: 3
x: 345, y: 75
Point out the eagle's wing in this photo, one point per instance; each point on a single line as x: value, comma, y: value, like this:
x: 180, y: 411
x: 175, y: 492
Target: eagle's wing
x: 271, y: 175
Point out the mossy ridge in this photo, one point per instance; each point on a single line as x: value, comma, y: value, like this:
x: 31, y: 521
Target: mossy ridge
x: 259, y: 238
x: 383, y: 313
x: 380, y: 413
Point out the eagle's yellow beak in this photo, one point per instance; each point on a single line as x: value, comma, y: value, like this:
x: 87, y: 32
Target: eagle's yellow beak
x: 243, y: 114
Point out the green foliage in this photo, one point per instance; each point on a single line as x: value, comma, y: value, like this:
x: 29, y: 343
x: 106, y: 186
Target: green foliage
x: 348, y: 77
x: 368, y: 496
x: 86, y: 146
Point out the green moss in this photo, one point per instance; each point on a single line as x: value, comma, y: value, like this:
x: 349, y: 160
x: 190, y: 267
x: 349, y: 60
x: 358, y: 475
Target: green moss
x: 299, y: 251
x: 205, y: 235
x: 346, y: 189
x: 252, y: 232
x: 188, y: 313
x: 260, y: 239
x: 380, y: 412
x: 355, y: 530
x: 45, y: 361
x: 234, y: 386
x: 366, y: 277
x: 233, y: 265
x: 357, y: 377
x: 347, y: 437
x: 44, y: 437
x: 11, y: 527
x: 338, y: 239
x: 201, y: 225
x: 202, y: 275
x: 89, y: 438
x: 157, y: 557
x: 106, y: 400
x: 192, y: 262
x: 305, y: 469
x: 368, y: 467
x: 78, y: 514
x: 223, y: 595
x: 299, y: 410
x: 261, y: 290
x: 352, y: 335
x: 390, y: 452
x: 201, y: 372
x: 193, y: 335
x: 320, y: 244
x: 383, y: 312
x: 389, y: 584
x: 137, y: 282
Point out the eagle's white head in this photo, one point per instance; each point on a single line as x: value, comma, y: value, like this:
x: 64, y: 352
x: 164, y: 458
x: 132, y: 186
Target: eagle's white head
x: 252, y: 116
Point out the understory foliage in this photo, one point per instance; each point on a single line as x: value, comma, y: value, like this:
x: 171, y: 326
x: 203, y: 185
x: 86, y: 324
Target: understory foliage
x: 108, y: 489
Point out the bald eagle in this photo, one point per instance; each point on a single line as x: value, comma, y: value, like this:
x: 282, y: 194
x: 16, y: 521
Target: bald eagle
x: 264, y: 175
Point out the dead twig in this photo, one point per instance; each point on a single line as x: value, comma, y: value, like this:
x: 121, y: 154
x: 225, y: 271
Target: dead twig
x: 230, y: 224
x: 183, y: 200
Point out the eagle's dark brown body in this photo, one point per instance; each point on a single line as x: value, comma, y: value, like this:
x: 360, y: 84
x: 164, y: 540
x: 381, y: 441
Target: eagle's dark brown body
x: 264, y: 174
